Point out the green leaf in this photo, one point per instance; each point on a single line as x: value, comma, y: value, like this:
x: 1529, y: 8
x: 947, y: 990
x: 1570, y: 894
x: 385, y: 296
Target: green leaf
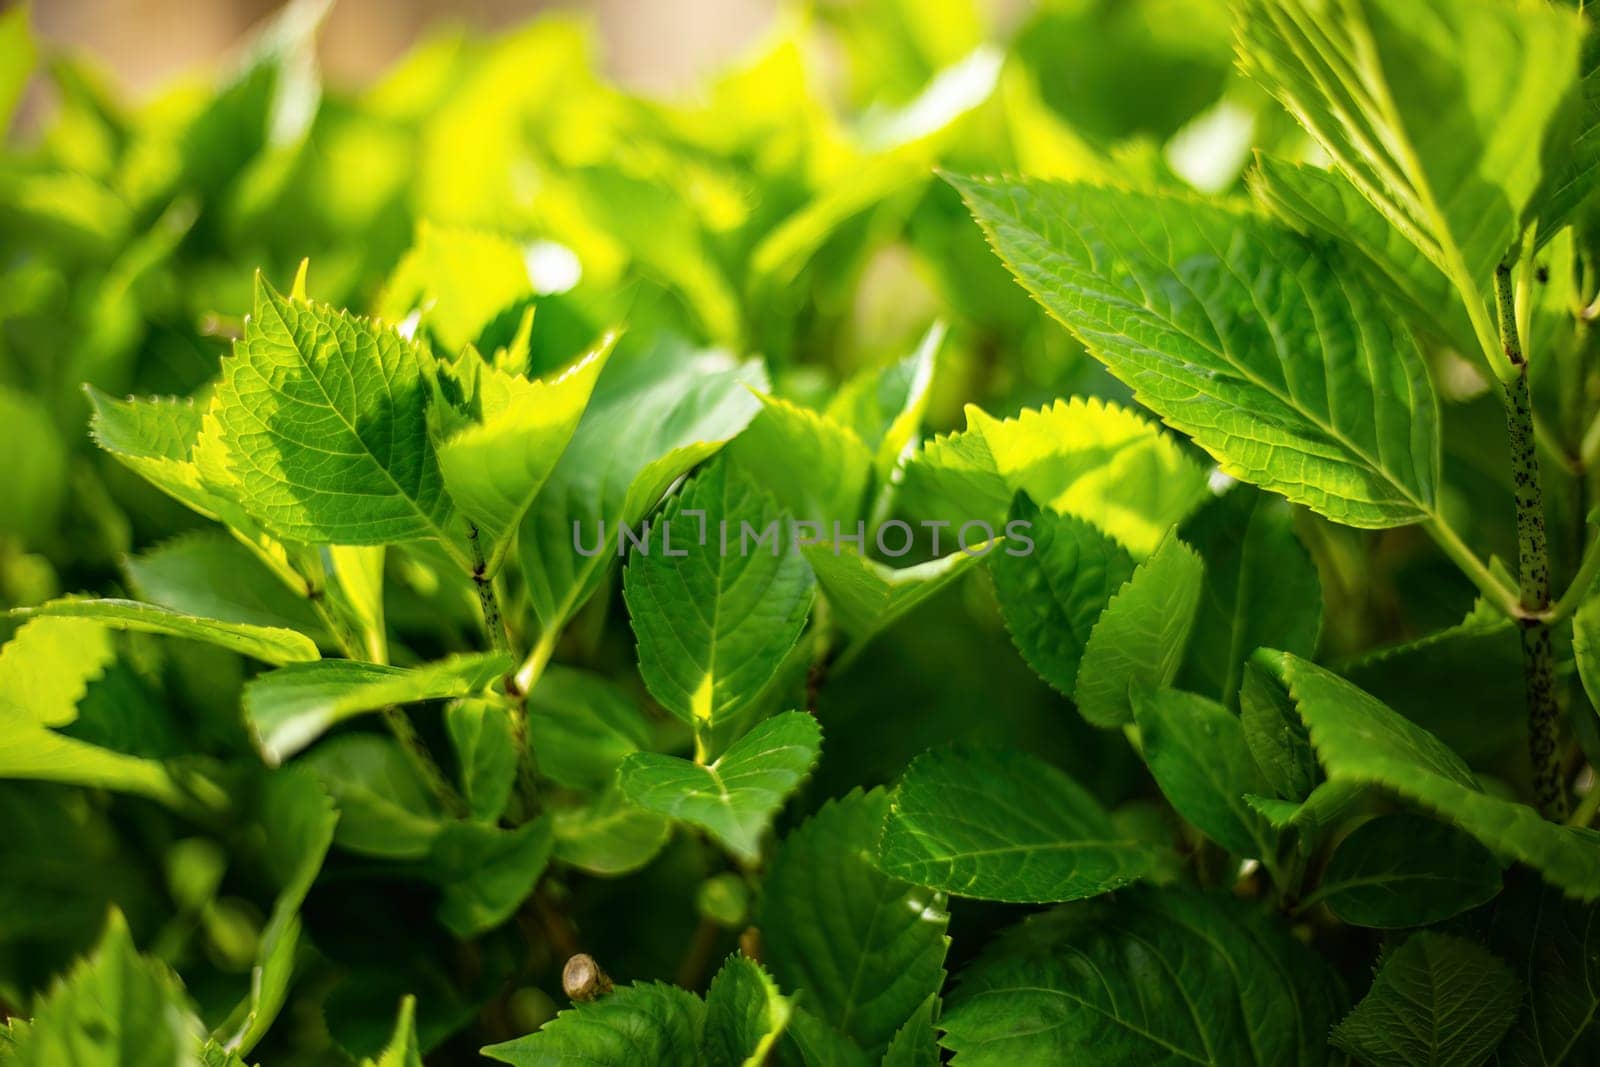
x: 156, y: 437
x: 610, y: 836
x: 644, y: 1023
x: 296, y: 818
x: 916, y: 1044
x: 1052, y: 596
x: 884, y: 405
x: 1554, y: 946
x: 1144, y: 977
x: 403, y: 1049
x: 734, y: 797
x: 291, y: 707
x: 323, y: 420
x: 385, y: 808
x: 457, y: 280
x: 1437, y: 131
x: 485, y: 873
x: 863, y: 949
x: 1586, y: 647
x: 494, y: 468
x: 816, y: 468
x: 212, y: 576
x: 1261, y: 345
x: 45, y: 671
x: 1196, y: 750
x: 1404, y: 870
x: 997, y: 824
x: 867, y: 597
x: 810, y: 1042
x: 113, y: 1009
x: 1260, y: 589
x: 716, y: 614
x: 650, y: 421
x: 745, y: 1015
x: 270, y: 644
x: 1359, y: 740
x: 1276, y: 736
x: 1086, y: 458
x: 582, y: 725
x: 486, y: 753
x: 1566, y: 189
x: 1140, y: 637
x: 1318, y: 201
x: 1437, y: 999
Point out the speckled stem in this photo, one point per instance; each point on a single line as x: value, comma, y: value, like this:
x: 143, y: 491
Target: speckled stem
x: 1533, y: 563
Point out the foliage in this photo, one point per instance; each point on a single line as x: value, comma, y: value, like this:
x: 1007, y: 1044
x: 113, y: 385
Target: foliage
x: 492, y: 525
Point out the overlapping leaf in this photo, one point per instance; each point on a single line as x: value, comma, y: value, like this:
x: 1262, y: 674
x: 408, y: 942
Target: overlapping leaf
x: 734, y: 797
x: 1001, y: 825
x: 1260, y: 344
x: 864, y: 949
x: 1359, y: 740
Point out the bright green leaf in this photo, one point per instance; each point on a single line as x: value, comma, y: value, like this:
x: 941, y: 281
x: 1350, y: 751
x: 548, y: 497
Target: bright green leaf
x: 290, y: 707
x: 1263, y: 346
x: 716, y: 613
x: 734, y: 797
x: 271, y: 644
x: 1140, y: 637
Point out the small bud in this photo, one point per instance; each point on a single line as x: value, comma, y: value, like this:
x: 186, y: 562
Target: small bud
x: 582, y: 978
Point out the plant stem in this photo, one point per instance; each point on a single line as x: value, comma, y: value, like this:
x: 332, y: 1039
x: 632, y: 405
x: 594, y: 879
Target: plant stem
x: 1533, y: 561
x: 493, y: 621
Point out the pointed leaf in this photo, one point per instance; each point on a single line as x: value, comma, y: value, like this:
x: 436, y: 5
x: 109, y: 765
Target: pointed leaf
x: 486, y: 754
x: 322, y: 417
x: 113, y: 1009
x: 996, y: 824
x: 745, y: 1015
x: 1144, y: 977
x: 734, y: 797
x: 1261, y: 345
x: 494, y: 469
x: 212, y: 576
x: 643, y: 1023
x: 1554, y: 946
x: 867, y: 597
x: 1437, y: 999
x: 864, y: 949
x: 1261, y: 589
x: 1052, y: 596
x: 817, y: 469
x: 716, y: 613
x: 1439, y: 132
x: 1360, y: 740
x: 290, y: 707
x: 1403, y: 870
x: 385, y: 809
x: 271, y: 644
x: 1086, y: 458
x: 1196, y: 750
x: 1140, y: 637
x: 649, y: 422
